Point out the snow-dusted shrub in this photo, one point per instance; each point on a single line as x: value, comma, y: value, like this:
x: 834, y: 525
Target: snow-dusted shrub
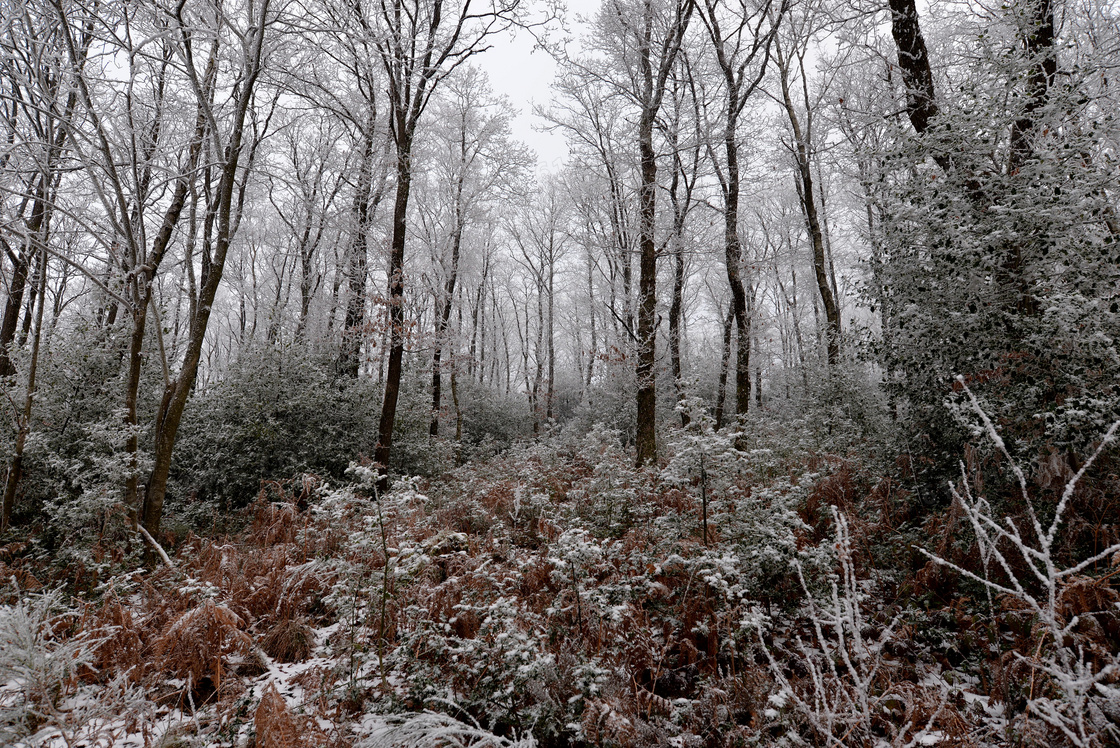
x: 608, y: 498
x: 37, y: 664
x: 473, y: 642
x: 42, y: 696
x: 277, y: 412
x: 755, y: 523
x: 1077, y: 696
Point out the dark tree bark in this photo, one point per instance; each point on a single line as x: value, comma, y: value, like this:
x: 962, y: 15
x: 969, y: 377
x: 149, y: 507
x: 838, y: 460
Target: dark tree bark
x: 724, y: 360
x: 802, y: 149
x: 222, y: 221
x: 654, y: 67
x: 396, y: 302
x: 419, y: 43
x: 737, y: 59
x: 913, y: 60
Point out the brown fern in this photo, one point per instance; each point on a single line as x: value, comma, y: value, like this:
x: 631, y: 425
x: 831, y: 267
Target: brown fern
x: 276, y: 726
x: 289, y: 640
x: 195, y: 644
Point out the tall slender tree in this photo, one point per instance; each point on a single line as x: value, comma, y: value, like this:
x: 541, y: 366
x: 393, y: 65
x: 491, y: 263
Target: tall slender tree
x: 419, y: 44
x: 741, y: 38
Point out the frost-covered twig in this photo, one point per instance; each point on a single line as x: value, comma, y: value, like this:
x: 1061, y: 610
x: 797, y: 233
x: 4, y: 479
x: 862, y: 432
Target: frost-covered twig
x: 844, y: 668
x: 1075, y: 676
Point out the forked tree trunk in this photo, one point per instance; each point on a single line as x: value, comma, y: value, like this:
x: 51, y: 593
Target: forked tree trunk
x: 15, y: 468
x: 177, y: 391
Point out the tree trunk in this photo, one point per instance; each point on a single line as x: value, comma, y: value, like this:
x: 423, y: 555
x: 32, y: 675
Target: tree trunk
x: 353, y: 331
x: 805, y: 191
x: 396, y: 308
x: 675, y: 327
x: 443, y: 316
x: 18, y: 285
x: 593, y: 352
x: 733, y: 261
x: 220, y: 220
x: 725, y: 359
x: 15, y: 468
x: 647, y: 297
x: 550, y: 382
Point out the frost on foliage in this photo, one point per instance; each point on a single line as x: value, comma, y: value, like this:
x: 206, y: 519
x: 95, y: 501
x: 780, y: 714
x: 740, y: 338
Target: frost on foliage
x: 41, y: 697
x: 426, y: 729
x: 36, y: 667
x: 90, y: 501
x: 1084, y: 703
x: 759, y: 522
x: 607, y: 499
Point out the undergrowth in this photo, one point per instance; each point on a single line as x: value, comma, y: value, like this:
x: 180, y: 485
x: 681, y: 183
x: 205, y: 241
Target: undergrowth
x: 750, y: 590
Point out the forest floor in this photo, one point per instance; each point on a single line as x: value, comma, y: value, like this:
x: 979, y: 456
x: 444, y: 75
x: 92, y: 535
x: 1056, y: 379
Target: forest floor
x: 557, y: 596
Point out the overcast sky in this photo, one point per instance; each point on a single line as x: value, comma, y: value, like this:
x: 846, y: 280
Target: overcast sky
x: 524, y: 75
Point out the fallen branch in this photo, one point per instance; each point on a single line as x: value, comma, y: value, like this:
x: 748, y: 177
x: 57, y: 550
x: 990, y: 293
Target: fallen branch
x: 159, y: 549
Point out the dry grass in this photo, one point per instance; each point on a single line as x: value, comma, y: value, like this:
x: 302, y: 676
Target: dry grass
x: 289, y: 640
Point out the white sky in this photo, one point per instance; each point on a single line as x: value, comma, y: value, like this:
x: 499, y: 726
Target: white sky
x: 525, y: 75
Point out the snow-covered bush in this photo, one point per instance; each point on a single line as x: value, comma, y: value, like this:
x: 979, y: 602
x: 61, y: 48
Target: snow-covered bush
x: 277, y: 412
x: 428, y: 728
x: 755, y: 521
x: 37, y: 665
x: 608, y: 498
x: 42, y: 696
x: 848, y: 686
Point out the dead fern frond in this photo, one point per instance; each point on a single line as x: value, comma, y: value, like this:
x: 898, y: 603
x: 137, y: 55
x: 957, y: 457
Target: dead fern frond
x: 1082, y: 595
x: 276, y: 726
x: 11, y: 550
x: 604, y: 722
x: 121, y: 649
x: 195, y: 644
x: 25, y: 580
x: 274, y: 522
x: 651, y: 703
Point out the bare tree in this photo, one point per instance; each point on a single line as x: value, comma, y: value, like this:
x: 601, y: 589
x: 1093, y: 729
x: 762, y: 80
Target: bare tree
x: 791, y: 62
x: 419, y: 44
x: 231, y: 138
x: 741, y: 38
x: 641, y: 41
x: 475, y: 162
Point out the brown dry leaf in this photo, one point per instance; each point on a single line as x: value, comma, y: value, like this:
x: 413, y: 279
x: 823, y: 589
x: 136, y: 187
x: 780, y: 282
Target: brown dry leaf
x: 603, y: 723
x: 1082, y: 595
x: 651, y: 703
